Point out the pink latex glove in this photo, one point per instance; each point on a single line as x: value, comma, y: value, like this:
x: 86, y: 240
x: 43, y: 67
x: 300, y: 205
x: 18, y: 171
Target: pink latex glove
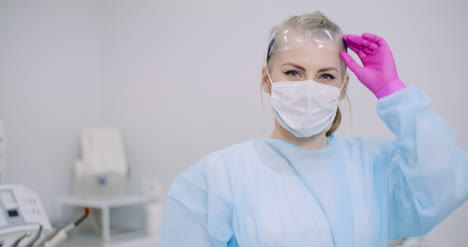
x: 379, y: 72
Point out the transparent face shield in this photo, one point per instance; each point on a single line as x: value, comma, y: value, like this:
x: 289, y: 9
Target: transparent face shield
x: 287, y: 39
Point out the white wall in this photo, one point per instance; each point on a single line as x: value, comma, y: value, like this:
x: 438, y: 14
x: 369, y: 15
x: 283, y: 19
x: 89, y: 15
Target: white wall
x: 181, y: 78
x: 50, y: 86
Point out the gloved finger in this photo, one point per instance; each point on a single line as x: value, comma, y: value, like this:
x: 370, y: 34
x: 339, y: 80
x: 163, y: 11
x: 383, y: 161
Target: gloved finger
x: 358, y: 51
x: 360, y: 41
x: 349, y: 61
x: 374, y: 38
x: 350, y: 39
x: 367, y: 51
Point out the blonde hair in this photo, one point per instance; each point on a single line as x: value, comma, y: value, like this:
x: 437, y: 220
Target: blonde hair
x: 312, y: 21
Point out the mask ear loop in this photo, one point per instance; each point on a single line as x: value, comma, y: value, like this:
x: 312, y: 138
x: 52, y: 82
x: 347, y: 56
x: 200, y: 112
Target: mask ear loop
x: 341, y: 89
x: 269, y: 77
x: 342, y: 85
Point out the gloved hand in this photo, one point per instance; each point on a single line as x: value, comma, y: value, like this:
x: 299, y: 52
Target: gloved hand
x: 379, y: 72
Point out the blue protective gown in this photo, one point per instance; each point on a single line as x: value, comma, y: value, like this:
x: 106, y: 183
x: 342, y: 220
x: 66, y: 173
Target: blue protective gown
x: 354, y: 192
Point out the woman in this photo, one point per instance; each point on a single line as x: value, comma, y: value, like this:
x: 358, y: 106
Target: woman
x: 302, y: 186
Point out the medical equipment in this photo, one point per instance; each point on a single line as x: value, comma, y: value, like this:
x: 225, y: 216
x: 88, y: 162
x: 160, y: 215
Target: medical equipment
x: 103, y: 169
x: 23, y: 220
x: 2, y: 151
x: 101, y: 182
x: 62, y: 234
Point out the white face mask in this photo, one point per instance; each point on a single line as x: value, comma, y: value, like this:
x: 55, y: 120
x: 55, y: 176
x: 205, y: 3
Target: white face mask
x: 304, y: 108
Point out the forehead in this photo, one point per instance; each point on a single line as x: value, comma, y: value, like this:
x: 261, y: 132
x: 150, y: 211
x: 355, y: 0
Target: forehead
x: 309, y: 55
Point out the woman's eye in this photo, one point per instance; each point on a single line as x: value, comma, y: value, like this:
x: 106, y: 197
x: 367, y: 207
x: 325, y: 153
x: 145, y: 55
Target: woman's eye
x: 292, y: 73
x: 328, y: 77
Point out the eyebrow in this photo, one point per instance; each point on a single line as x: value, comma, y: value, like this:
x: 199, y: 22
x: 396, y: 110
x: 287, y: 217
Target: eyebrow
x: 327, y: 69
x: 294, y: 65
x: 302, y: 68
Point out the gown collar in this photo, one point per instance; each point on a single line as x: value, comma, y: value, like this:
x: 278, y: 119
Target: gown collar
x: 287, y: 146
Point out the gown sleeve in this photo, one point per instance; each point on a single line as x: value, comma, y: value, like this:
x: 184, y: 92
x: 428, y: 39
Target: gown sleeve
x: 199, y: 209
x: 428, y: 171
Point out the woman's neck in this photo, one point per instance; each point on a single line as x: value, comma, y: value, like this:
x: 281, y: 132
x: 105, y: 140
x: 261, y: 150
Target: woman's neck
x: 312, y: 143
